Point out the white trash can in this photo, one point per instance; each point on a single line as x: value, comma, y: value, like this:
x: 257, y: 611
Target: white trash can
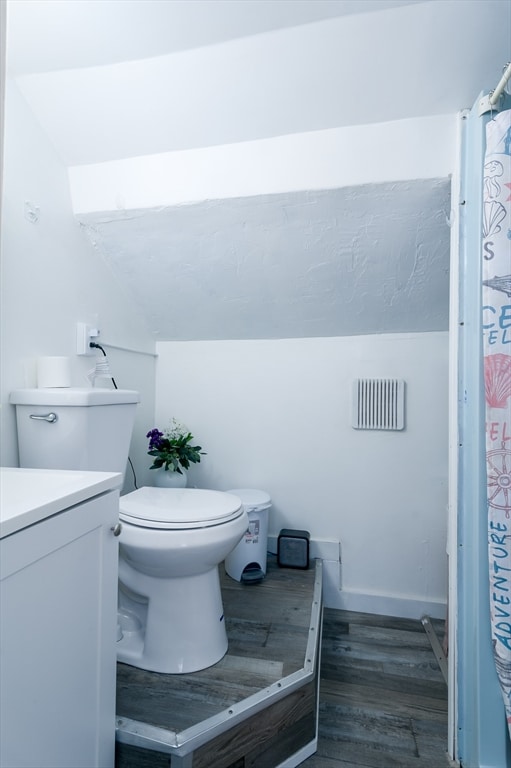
x: 247, y: 561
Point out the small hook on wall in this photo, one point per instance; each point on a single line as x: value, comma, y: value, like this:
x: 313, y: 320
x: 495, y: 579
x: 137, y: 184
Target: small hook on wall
x: 31, y: 212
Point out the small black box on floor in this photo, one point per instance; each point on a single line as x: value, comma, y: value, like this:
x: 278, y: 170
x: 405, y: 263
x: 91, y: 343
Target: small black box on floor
x: 293, y: 548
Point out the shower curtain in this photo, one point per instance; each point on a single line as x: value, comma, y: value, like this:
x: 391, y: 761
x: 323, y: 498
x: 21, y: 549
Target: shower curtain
x: 496, y: 324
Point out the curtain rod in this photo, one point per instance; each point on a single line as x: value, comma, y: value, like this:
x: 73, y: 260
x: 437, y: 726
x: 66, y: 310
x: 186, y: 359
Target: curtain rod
x: 488, y: 103
x: 496, y: 94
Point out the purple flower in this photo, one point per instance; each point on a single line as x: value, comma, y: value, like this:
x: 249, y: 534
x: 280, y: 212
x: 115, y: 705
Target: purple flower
x: 155, y: 439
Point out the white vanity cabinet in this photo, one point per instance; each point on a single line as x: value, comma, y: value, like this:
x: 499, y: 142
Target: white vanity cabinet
x: 58, y: 615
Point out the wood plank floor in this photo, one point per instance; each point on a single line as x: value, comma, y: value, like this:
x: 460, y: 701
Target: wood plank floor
x: 268, y: 629
x: 383, y: 699
x: 253, y: 708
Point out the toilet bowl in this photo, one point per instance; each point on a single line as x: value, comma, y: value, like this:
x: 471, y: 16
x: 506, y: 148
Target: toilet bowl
x: 171, y: 617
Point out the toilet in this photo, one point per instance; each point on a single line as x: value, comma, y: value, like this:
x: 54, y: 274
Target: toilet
x: 170, y: 616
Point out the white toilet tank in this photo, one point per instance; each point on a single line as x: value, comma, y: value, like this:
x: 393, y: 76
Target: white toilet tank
x: 75, y: 428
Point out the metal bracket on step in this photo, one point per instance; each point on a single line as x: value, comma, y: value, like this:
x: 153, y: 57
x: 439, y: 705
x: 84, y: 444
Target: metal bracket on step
x: 435, y: 645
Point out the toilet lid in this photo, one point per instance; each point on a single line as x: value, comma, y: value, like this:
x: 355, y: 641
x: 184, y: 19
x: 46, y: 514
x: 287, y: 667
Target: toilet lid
x: 168, y: 508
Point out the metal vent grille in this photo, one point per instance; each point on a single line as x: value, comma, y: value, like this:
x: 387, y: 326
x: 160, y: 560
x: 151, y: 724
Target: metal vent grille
x: 378, y: 404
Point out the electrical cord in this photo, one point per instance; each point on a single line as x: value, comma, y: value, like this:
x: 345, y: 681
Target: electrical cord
x: 106, y: 370
x: 133, y: 472
x: 103, y: 368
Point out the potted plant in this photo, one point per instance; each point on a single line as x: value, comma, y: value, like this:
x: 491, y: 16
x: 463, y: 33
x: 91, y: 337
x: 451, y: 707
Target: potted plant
x: 172, y: 452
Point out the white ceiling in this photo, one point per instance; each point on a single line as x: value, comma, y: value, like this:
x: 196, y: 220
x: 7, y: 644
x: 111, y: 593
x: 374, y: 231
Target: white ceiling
x: 46, y: 35
x: 116, y: 79
x: 112, y: 79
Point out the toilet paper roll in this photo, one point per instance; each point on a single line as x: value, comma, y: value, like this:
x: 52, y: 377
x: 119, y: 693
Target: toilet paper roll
x: 53, y: 372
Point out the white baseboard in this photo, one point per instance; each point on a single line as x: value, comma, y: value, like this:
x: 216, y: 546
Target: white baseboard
x: 381, y: 605
x: 387, y: 605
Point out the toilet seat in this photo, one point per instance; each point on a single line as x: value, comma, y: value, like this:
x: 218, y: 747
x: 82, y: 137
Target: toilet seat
x: 178, y: 508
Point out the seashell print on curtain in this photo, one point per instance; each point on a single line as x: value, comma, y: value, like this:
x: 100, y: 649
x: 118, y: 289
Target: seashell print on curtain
x: 496, y: 320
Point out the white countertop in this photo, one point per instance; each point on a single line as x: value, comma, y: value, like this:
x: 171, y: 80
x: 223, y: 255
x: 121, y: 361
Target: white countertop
x: 30, y: 495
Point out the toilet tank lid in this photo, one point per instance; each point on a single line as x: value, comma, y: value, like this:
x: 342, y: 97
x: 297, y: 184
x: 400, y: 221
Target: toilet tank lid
x: 252, y: 500
x: 71, y: 396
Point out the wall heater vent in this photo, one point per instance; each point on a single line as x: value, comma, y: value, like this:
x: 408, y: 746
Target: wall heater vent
x: 378, y: 404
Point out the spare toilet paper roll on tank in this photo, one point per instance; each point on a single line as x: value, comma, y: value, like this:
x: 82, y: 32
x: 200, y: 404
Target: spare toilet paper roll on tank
x: 53, y: 372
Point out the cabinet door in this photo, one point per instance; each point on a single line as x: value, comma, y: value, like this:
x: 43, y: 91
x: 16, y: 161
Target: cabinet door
x: 58, y: 598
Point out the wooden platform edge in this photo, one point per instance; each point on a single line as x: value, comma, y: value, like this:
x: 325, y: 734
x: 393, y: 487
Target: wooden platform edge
x: 182, y: 743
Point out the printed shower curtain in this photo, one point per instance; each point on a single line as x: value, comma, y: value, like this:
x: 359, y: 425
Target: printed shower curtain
x: 496, y: 323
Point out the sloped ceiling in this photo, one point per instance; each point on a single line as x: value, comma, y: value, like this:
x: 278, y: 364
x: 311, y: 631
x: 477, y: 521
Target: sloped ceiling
x: 117, y: 79
x: 365, y: 259
x: 112, y: 79
x: 48, y: 35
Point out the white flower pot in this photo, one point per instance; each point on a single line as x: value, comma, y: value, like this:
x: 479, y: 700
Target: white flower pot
x: 167, y: 478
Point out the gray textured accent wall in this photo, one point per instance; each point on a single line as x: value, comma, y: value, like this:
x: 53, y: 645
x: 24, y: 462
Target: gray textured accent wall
x: 355, y: 260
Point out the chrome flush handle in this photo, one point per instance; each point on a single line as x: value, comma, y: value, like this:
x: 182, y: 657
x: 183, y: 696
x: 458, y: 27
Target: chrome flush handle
x: 51, y: 417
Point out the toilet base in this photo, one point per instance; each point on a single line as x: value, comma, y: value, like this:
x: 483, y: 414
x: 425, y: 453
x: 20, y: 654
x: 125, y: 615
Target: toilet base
x: 176, y: 626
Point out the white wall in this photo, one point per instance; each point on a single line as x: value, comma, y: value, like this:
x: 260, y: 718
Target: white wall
x: 51, y: 278
x: 276, y: 415
x: 3, y: 25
